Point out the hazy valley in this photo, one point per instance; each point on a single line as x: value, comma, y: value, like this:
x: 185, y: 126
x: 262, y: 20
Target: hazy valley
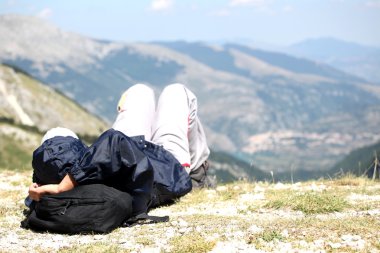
x: 275, y: 111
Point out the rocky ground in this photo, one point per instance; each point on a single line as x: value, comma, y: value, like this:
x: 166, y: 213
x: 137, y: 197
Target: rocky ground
x: 341, y: 215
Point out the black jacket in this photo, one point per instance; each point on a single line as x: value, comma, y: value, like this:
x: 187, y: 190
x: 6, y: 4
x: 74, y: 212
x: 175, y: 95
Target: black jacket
x: 146, y: 171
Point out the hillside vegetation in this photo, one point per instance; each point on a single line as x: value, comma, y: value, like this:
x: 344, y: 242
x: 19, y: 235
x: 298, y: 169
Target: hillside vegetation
x: 341, y: 215
x: 26, y: 101
x: 29, y: 108
x: 16, y: 147
x: 360, y: 162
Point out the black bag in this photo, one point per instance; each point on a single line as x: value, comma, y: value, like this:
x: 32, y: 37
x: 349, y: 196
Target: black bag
x: 86, y: 208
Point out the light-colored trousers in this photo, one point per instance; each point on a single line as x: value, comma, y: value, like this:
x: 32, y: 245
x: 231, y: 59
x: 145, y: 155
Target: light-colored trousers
x: 174, y: 123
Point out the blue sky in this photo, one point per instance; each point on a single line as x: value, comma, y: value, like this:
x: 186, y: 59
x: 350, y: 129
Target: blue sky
x: 277, y: 22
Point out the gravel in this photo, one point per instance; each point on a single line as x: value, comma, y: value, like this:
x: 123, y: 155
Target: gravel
x: 238, y: 228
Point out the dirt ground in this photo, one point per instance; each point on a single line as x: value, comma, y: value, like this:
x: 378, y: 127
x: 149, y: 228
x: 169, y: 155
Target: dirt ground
x: 239, y: 217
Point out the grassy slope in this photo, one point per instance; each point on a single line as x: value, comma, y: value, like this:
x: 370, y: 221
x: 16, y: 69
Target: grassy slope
x: 16, y: 145
x: 223, y: 163
x: 342, y: 215
x: 13, y: 154
x: 359, y: 161
x: 46, y: 107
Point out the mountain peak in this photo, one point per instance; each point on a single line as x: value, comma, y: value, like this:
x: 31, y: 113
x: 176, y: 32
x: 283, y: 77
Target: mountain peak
x: 329, y: 46
x: 34, y: 33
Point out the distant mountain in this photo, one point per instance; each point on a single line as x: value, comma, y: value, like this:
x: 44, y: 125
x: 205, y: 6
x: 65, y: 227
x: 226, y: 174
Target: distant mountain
x: 362, y: 61
x: 223, y: 59
x: 359, y: 162
x: 228, y: 168
x: 274, y: 111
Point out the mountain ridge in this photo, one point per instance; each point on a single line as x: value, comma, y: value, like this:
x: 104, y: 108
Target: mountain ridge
x: 362, y: 61
x: 244, y: 98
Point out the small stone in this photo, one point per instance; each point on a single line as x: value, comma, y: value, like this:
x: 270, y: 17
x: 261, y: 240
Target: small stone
x: 255, y: 229
x: 210, y: 194
x: 98, y: 237
x: 346, y: 237
x: 285, y: 247
x: 57, y: 238
x: 251, y: 197
x: 210, y: 191
x: 182, y: 223
x: 279, y: 186
x: 170, y: 232
x: 319, y: 243
x: 84, y: 240
x: 151, y: 250
x: 303, y: 244
x: 258, y: 189
x: 183, y: 230
x: 238, y: 234
x: 360, y: 244
x: 314, y: 187
x: 12, y: 239
x: 221, y: 188
x: 51, y: 245
x: 335, y: 245
x: 285, y: 233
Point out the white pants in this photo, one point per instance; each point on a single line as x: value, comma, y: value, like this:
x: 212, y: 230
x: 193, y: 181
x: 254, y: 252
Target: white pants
x: 174, y: 124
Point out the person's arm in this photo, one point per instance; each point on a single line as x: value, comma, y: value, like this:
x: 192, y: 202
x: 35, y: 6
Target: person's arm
x: 36, y: 191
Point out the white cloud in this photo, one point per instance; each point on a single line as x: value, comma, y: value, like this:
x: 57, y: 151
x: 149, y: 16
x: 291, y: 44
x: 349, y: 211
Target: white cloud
x: 161, y: 5
x: 221, y: 13
x: 45, y: 13
x: 288, y: 8
x: 10, y: 3
x: 254, y: 3
x: 373, y: 4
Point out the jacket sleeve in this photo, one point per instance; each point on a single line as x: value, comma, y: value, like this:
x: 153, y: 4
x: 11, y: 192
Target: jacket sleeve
x: 116, y: 160
x: 55, y: 157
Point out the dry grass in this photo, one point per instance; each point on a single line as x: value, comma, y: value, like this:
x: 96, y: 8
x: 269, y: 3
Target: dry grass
x: 190, y: 243
x: 94, y: 248
x: 243, y: 216
x: 352, y: 180
x: 307, y: 202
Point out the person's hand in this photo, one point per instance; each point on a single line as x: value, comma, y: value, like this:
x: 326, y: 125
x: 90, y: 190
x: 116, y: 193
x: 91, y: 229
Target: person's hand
x: 34, y: 192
